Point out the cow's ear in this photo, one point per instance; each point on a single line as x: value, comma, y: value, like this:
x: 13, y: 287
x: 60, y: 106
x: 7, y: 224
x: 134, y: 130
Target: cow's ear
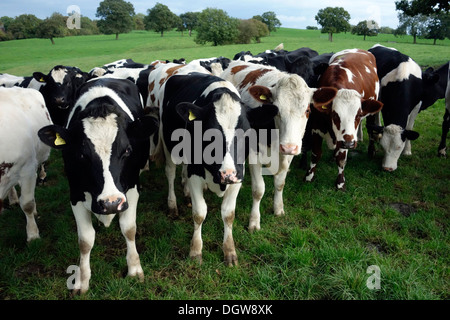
x: 54, y: 136
x: 261, y: 94
x: 143, y: 128
x: 370, y: 106
x: 40, y: 77
x: 260, y: 116
x: 189, y: 111
x: 409, y: 134
x: 322, y: 97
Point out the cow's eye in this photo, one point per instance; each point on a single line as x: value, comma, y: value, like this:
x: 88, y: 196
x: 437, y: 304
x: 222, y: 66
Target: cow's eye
x: 127, y: 151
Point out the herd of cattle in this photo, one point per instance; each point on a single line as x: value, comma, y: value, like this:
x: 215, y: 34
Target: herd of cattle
x: 109, y: 122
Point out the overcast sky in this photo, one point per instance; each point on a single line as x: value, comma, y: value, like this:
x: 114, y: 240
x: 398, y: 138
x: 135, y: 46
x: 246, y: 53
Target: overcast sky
x: 291, y: 13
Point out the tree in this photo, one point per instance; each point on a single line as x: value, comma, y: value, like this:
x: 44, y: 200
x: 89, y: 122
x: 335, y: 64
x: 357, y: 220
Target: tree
x: 116, y: 16
x: 437, y: 27
x: 52, y: 27
x: 414, y: 26
x: 139, y: 21
x: 251, y: 29
x: 190, y: 21
x: 214, y: 25
x: 425, y: 7
x: 160, y: 19
x: 24, y: 26
x: 366, y: 28
x: 270, y: 19
x: 333, y: 20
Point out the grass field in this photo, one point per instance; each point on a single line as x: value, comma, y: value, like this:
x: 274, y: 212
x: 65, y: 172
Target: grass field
x: 320, y: 249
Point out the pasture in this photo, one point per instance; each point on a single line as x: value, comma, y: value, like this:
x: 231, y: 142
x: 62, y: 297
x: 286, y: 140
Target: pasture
x: 321, y: 248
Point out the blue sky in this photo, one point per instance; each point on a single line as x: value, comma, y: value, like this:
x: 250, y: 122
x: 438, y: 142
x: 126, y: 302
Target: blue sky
x: 291, y: 13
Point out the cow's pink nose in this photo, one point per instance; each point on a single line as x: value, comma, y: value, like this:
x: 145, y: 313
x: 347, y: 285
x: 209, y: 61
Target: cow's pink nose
x: 388, y: 169
x: 291, y: 149
x: 114, y: 204
x: 228, y: 176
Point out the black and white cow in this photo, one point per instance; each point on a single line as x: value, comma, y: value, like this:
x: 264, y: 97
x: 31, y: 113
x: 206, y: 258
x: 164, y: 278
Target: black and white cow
x: 446, y: 121
x: 213, y: 65
x: 59, y: 88
x: 403, y: 92
x: 205, y: 112
x: 104, y: 145
x: 299, y: 61
x: 22, y: 114
x: 126, y: 69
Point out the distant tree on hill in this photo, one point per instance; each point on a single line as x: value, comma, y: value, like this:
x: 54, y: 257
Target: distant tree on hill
x: 437, y: 27
x: 190, y: 21
x: 333, y: 20
x: 139, y: 21
x: 52, y: 27
x: 270, y: 19
x: 116, y: 16
x: 366, y: 28
x: 414, y: 26
x: 214, y: 25
x: 24, y: 26
x: 160, y: 19
x: 251, y: 29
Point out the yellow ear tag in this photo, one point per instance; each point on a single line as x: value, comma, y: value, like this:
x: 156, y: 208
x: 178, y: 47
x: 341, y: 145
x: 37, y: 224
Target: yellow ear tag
x: 324, y: 107
x: 191, y: 116
x: 262, y: 97
x: 41, y: 80
x: 59, y: 141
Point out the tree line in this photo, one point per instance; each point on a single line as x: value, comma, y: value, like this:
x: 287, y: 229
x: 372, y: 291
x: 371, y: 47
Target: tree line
x: 428, y: 19
x: 118, y: 16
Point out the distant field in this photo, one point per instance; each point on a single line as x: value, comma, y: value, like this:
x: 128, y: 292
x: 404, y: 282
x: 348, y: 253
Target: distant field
x: 22, y: 57
x: 321, y: 248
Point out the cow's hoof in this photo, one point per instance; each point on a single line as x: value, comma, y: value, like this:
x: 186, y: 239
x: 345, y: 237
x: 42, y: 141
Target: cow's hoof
x: 173, y: 213
x: 197, y: 258
x: 231, y: 260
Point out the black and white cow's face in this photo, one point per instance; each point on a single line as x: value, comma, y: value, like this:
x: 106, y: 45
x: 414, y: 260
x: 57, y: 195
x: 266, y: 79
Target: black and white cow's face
x: 222, y: 119
x: 393, y: 141
x: 101, y: 156
x: 59, y: 90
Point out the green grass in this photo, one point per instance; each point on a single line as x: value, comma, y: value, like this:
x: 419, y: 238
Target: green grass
x: 320, y: 249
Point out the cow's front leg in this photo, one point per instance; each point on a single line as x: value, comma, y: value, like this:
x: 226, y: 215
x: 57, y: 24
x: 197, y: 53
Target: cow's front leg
x: 279, y: 180
x: 228, y: 213
x: 199, y: 209
x: 445, y: 128
x: 86, y: 238
x: 341, y: 159
x: 258, y: 188
x: 28, y: 204
x: 170, y: 170
x: 316, y: 154
x: 127, y: 220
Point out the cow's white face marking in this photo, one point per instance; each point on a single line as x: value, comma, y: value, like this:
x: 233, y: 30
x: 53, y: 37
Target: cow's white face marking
x: 102, y: 132
x: 393, y: 145
x: 58, y: 75
x: 346, y: 104
x: 228, y: 111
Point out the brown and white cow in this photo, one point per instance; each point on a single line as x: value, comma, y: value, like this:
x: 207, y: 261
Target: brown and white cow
x: 292, y: 96
x: 353, y: 72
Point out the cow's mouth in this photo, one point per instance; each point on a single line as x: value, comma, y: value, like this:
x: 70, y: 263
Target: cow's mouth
x: 64, y: 107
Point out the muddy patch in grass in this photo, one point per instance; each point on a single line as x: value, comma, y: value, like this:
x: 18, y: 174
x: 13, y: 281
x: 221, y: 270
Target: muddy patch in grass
x: 404, y: 209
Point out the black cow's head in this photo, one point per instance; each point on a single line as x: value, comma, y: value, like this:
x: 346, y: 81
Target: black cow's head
x: 103, y: 152
x: 60, y: 89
